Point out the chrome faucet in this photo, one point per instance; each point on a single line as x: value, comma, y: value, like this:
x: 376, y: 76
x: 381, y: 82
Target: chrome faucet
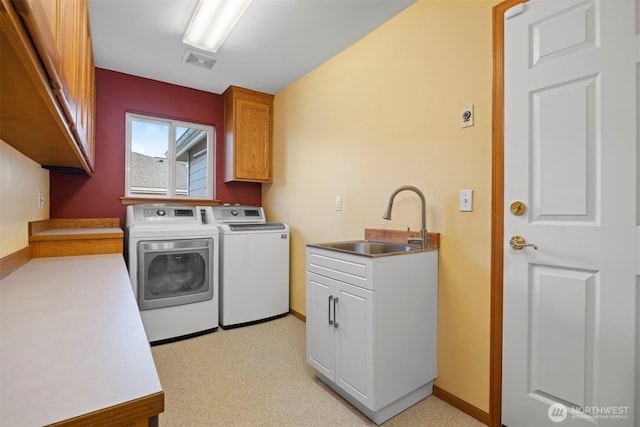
x: 423, y: 231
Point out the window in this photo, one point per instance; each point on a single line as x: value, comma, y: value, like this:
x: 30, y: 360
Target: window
x: 168, y: 158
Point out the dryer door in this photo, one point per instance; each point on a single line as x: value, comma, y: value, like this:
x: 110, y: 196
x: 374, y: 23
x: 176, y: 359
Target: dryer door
x: 174, y: 272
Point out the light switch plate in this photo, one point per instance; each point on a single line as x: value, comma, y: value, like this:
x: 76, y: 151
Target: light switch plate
x: 466, y: 200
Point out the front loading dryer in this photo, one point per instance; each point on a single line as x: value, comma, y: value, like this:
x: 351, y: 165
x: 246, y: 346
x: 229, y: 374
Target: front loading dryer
x: 172, y: 254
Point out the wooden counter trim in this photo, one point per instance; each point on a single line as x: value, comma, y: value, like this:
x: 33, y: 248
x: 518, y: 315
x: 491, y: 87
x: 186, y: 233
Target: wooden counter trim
x: 14, y: 261
x: 78, y: 234
x: 134, y: 413
x: 47, y: 224
x: 400, y: 236
x: 72, y: 247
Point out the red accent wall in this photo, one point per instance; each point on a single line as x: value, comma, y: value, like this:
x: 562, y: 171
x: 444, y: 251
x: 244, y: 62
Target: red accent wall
x: 80, y: 196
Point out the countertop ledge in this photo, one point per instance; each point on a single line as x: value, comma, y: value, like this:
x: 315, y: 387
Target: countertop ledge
x: 400, y: 236
x: 77, y: 233
x: 75, y: 236
x: 72, y: 343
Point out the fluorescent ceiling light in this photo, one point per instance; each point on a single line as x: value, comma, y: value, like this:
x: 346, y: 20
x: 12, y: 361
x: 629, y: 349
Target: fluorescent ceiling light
x: 212, y: 22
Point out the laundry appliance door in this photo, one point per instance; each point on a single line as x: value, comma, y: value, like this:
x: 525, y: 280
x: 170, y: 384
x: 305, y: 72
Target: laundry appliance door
x: 174, y: 272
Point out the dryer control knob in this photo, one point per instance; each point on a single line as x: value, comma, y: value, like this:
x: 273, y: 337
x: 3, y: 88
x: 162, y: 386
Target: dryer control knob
x: 161, y: 212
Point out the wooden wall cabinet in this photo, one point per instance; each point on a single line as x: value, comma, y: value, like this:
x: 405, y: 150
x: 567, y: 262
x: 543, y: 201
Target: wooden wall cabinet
x: 248, y: 119
x: 50, y: 118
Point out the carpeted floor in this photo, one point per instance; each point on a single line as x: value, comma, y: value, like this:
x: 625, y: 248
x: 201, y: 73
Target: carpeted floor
x: 257, y: 376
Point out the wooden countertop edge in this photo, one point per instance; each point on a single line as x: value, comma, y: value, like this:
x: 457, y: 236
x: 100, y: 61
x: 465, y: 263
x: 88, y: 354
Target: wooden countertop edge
x: 70, y: 223
x: 134, y: 412
x: 76, y: 236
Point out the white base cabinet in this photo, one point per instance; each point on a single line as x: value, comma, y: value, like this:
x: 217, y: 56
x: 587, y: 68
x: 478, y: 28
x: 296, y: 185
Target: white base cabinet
x: 371, y: 327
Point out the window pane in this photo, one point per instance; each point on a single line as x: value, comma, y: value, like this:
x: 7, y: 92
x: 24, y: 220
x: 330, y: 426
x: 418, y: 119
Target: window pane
x: 191, y: 162
x: 149, y: 170
x: 168, y: 158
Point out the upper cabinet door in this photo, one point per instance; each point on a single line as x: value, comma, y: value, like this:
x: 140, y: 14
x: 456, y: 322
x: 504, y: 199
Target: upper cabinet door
x: 69, y: 69
x: 248, y: 135
x: 42, y: 19
x: 85, y: 101
x: 60, y: 33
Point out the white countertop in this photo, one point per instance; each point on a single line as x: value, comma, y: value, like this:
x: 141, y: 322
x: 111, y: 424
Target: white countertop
x: 71, y: 340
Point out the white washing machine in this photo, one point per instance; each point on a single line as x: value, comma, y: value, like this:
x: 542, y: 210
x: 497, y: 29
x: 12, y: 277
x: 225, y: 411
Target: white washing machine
x: 172, y: 253
x: 254, y: 266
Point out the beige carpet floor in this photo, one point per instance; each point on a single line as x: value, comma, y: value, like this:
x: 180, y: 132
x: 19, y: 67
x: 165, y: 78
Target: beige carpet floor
x: 257, y: 376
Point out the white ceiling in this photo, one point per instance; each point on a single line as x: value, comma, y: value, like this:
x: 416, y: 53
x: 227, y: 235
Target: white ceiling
x: 274, y: 43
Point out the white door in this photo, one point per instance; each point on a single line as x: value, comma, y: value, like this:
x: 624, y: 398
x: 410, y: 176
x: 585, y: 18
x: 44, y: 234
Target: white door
x: 572, y: 306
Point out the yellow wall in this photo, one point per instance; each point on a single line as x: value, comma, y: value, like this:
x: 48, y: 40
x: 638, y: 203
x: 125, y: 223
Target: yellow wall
x: 21, y: 179
x: 384, y: 113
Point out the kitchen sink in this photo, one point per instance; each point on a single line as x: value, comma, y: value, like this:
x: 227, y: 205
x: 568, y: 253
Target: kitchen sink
x: 372, y: 248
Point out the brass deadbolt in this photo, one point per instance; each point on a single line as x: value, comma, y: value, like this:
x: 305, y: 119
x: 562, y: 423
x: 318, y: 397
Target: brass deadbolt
x: 518, y: 208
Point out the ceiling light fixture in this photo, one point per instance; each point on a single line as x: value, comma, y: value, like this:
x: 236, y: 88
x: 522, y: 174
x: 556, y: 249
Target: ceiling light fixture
x: 212, y: 22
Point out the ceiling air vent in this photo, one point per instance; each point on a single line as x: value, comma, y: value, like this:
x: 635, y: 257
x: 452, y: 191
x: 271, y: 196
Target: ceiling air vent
x: 198, y: 59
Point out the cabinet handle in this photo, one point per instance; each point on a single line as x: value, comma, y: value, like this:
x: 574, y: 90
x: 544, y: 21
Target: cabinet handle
x: 335, y: 321
x: 330, y: 321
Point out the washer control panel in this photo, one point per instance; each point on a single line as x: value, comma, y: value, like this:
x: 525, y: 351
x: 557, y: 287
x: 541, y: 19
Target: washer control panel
x: 235, y: 214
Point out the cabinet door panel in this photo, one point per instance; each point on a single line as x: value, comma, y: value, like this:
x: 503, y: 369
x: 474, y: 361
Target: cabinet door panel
x: 353, y: 346
x: 42, y: 19
x: 320, y: 335
x: 86, y: 83
x: 69, y: 54
x: 253, y: 148
x: 248, y: 126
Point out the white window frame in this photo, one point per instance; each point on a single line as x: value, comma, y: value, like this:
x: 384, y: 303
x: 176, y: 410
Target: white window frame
x: 173, y: 124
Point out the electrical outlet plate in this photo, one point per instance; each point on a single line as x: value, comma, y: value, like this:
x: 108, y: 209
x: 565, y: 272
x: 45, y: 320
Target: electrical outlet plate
x: 466, y: 200
x: 466, y: 116
x: 338, y: 203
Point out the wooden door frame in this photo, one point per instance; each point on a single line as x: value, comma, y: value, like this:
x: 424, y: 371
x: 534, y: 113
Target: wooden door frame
x: 497, y: 214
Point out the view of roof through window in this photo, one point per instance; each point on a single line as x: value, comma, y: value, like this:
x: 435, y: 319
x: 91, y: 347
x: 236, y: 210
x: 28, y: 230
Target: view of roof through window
x: 168, y: 159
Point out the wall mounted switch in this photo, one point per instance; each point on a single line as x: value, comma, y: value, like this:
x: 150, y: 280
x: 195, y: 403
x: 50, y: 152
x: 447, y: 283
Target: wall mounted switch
x: 338, y: 203
x: 466, y: 200
x: 41, y: 200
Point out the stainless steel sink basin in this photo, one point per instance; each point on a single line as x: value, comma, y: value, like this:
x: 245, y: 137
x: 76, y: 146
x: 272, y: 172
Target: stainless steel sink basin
x: 369, y: 247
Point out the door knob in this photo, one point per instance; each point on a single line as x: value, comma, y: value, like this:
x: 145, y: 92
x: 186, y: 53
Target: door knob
x: 518, y: 242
